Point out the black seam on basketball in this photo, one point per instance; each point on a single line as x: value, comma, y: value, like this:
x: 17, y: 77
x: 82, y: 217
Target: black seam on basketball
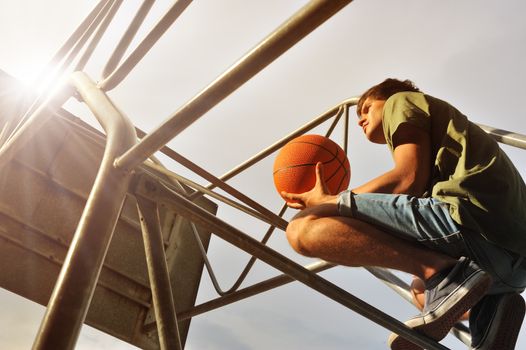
x: 321, y: 146
x: 299, y: 165
x: 341, y: 180
x: 335, y: 157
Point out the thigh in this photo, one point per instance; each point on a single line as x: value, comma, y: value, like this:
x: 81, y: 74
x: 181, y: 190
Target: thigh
x: 425, y: 220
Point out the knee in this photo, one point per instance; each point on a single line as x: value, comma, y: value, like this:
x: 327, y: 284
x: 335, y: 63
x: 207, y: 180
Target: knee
x: 300, y: 237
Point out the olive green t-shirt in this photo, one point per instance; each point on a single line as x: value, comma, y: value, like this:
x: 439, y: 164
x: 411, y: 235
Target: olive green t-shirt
x: 469, y: 170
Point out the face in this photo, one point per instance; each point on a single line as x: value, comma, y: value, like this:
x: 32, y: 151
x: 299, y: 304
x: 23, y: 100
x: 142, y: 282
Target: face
x: 371, y: 120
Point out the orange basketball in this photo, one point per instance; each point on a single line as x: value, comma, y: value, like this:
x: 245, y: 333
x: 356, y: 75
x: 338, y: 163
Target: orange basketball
x: 295, y: 165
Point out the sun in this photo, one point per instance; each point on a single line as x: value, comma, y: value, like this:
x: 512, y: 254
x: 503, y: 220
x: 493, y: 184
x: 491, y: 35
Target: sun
x: 36, y: 76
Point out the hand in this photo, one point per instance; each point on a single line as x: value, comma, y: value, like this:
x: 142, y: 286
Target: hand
x: 318, y: 195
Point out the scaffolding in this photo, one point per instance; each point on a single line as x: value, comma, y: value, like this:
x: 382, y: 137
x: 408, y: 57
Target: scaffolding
x: 128, y: 166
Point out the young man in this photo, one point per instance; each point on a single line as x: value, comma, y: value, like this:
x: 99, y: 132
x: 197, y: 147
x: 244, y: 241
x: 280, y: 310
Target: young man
x: 452, y: 212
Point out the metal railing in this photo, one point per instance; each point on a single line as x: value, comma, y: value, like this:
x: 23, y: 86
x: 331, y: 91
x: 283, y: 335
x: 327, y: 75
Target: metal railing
x: 71, y: 297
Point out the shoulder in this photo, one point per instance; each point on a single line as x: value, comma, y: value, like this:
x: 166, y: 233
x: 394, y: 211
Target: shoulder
x: 407, y: 101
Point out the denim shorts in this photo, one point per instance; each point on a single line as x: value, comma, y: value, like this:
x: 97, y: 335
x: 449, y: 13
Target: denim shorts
x: 428, y: 221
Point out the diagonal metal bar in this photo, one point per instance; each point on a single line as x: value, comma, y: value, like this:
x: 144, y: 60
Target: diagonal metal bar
x: 126, y: 39
x: 244, y: 293
x: 94, y: 19
x: 162, y: 295
x: 103, y: 26
x: 217, y: 183
x: 505, y: 137
x: 250, y: 291
x: 280, y: 143
x: 71, y: 297
x: 194, y: 213
x: 289, y: 33
x: 247, y: 268
x: 135, y: 57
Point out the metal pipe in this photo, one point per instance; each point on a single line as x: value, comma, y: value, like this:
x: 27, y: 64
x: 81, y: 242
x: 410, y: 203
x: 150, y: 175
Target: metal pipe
x: 346, y: 129
x: 71, y: 297
x: 247, y: 268
x: 98, y: 35
x: 163, y: 303
x: 277, y: 145
x: 234, y: 236
x: 37, y: 102
x: 505, y: 137
x: 276, y: 219
x: 244, y: 293
x: 126, y: 39
x: 298, y: 26
x: 81, y: 29
x: 135, y: 57
x: 247, y: 292
x: 273, y: 219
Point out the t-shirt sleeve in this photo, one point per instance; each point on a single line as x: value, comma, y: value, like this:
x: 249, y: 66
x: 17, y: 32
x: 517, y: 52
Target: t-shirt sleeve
x: 405, y: 107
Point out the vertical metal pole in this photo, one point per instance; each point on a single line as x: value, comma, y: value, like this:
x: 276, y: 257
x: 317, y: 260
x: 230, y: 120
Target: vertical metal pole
x: 71, y: 297
x: 163, y: 303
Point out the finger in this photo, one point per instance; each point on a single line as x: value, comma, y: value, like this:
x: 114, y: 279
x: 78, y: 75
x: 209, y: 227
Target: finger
x: 320, y: 176
x: 295, y: 205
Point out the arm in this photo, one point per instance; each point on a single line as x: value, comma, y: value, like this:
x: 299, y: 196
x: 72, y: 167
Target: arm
x: 412, y: 169
x: 410, y: 174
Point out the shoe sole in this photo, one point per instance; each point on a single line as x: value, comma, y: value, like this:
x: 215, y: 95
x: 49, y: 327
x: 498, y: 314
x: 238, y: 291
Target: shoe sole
x: 436, y: 326
x: 504, y: 334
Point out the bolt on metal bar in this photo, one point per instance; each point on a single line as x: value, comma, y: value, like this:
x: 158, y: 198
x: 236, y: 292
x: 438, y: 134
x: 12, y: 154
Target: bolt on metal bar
x: 505, y: 137
x: 103, y: 26
x: 289, y: 33
x: 239, y: 239
x: 116, y: 77
x: 126, y: 39
x: 162, y: 296
x: 71, y: 297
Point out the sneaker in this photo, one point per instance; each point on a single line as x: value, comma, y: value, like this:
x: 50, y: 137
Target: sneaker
x: 495, y: 322
x: 446, y: 301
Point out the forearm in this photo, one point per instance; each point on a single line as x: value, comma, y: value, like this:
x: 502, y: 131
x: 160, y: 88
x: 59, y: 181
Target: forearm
x: 393, y: 181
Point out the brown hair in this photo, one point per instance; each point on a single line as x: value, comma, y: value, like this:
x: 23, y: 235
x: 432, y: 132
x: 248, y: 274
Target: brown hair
x: 386, y: 89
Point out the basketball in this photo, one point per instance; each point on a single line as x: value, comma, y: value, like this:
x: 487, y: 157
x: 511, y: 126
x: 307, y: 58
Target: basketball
x: 295, y: 165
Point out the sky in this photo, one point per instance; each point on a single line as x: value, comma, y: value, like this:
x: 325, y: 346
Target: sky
x: 470, y: 53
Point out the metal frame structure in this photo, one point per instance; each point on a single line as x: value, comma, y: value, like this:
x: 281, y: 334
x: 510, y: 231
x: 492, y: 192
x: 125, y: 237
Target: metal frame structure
x: 71, y: 297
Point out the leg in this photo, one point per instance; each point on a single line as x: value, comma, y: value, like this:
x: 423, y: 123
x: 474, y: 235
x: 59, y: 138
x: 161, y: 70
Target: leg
x: 415, y: 235
x: 351, y: 242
